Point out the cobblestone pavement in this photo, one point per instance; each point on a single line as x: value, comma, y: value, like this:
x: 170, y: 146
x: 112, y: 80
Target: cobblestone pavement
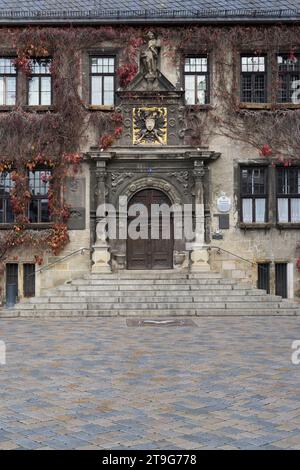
x: 97, y: 384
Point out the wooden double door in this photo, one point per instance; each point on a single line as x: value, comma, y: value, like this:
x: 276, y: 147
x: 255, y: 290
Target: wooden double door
x: 151, y: 253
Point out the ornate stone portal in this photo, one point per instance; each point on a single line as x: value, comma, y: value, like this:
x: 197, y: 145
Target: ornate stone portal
x: 151, y: 154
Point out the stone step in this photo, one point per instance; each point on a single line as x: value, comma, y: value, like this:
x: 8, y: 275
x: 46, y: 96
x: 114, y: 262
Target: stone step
x: 140, y: 282
x: 140, y: 297
x: 147, y: 313
x: 150, y: 276
x: 150, y: 292
x: 167, y: 304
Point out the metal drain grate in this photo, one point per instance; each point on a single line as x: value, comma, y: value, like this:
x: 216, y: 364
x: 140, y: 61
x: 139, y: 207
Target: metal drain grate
x: 160, y: 322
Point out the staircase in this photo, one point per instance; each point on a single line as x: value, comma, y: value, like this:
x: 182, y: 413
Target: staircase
x: 152, y: 293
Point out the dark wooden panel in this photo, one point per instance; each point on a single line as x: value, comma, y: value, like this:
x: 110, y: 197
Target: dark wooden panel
x: 150, y: 253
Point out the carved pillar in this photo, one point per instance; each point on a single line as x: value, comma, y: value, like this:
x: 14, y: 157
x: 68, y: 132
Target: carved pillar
x: 199, y: 254
x: 101, y: 255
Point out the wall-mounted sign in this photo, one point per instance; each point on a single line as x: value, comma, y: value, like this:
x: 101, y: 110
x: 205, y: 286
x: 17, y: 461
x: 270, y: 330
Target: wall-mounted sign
x: 223, y: 203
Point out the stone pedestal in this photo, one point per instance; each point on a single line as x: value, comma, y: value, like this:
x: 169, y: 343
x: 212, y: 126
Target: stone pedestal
x: 101, y: 259
x: 199, y: 258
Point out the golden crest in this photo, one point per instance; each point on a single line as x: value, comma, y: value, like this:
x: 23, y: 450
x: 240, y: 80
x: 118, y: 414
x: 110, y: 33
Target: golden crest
x: 150, y: 126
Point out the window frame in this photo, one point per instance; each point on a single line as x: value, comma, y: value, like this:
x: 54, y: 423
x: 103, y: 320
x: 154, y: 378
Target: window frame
x: 289, y: 196
x: 287, y: 73
x: 93, y: 55
x: 207, y: 74
x: 39, y: 198
x: 40, y: 76
x: 10, y: 57
x: 253, y: 75
x: 252, y: 196
x: 5, y: 198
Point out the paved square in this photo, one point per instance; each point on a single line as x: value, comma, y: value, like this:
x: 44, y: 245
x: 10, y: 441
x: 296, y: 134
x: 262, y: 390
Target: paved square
x: 98, y: 384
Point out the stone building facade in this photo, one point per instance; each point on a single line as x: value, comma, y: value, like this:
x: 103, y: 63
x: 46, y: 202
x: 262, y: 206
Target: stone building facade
x: 153, y: 161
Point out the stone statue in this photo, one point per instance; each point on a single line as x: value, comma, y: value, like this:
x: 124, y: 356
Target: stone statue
x: 149, y: 56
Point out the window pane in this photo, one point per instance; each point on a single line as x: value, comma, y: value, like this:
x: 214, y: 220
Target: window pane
x: 260, y: 210
x: 295, y: 210
x: 33, y: 211
x: 108, y: 90
x: 201, y: 89
x: 1, y: 211
x: 33, y: 97
x: 7, y: 66
x: 96, y: 92
x: 247, y: 211
x: 190, y: 89
x: 283, y: 211
x: 39, y: 182
x: 46, y: 91
x: 10, y: 216
x: 44, y: 210
x: 253, y: 64
x: 41, y: 66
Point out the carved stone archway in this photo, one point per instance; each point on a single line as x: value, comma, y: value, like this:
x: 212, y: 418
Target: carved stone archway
x: 118, y: 249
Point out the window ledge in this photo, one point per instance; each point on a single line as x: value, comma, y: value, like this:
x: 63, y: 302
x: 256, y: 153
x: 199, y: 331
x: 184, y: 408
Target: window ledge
x: 4, y: 108
x: 255, y: 106
x: 33, y: 226
x: 93, y: 107
x: 39, y: 109
x: 199, y: 107
x: 255, y: 226
x: 288, y: 225
x: 287, y: 106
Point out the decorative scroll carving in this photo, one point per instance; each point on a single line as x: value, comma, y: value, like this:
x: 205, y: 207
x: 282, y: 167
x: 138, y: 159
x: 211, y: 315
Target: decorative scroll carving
x: 182, y: 177
x: 117, y: 178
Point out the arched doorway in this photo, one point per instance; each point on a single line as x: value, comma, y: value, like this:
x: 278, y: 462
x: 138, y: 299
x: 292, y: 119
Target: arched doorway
x: 151, y: 253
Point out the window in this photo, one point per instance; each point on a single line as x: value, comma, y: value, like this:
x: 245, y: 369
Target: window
x: 102, y: 80
x: 40, y: 83
x: 12, y: 282
x: 263, y: 277
x: 254, y: 195
x: 289, y: 72
x: 8, y: 82
x: 196, y: 80
x: 253, y: 79
x: 288, y: 195
x: 29, y: 280
x: 39, y: 181
x: 281, y: 280
x: 6, y: 212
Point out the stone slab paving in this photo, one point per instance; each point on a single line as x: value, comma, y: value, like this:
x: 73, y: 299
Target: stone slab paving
x: 226, y: 383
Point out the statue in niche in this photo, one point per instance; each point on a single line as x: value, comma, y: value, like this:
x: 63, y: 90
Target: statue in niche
x: 149, y: 57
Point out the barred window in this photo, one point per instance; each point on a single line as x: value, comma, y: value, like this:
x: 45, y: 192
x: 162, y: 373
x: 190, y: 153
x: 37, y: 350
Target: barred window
x: 254, y: 195
x: 102, y: 81
x: 288, y: 195
x: 289, y: 76
x: 8, y: 82
x: 39, y: 181
x: 196, y: 80
x: 253, y: 79
x: 40, y: 83
x: 6, y: 185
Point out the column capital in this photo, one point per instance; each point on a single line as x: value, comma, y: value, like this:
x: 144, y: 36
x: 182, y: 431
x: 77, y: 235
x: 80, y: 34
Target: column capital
x: 199, y: 170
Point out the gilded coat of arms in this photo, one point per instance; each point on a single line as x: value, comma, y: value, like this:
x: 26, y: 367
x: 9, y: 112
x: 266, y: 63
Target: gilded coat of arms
x: 150, y: 126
